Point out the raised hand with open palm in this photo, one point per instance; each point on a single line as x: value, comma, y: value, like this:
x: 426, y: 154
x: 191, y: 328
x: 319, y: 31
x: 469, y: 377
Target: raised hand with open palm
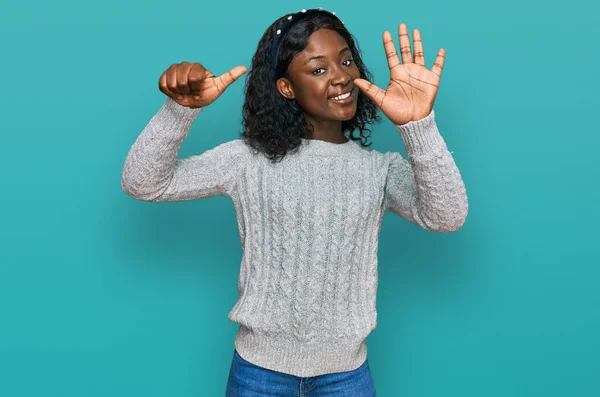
x: 412, y: 89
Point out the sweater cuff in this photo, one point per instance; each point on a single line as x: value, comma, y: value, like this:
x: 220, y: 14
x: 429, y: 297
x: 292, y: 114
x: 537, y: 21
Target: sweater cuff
x: 421, y: 136
x: 180, y: 115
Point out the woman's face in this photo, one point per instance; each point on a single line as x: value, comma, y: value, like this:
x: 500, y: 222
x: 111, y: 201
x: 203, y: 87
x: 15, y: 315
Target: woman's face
x: 323, y: 70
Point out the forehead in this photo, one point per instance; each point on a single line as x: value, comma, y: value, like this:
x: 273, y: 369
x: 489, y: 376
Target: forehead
x: 322, y: 42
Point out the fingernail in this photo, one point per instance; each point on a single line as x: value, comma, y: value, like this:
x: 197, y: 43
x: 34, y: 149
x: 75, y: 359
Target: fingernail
x: 179, y: 97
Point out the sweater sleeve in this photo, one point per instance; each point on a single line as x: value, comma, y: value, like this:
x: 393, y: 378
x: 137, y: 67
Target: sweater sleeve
x: 152, y: 171
x: 428, y: 191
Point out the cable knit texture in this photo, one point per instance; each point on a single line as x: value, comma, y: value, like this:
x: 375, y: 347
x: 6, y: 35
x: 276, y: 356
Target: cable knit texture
x: 309, y: 228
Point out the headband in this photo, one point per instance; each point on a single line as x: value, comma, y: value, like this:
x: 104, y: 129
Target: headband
x: 287, y: 24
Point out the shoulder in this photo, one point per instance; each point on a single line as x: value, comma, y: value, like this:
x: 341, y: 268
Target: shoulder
x: 233, y: 148
x: 232, y: 145
x: 375, y: 155
x: 231, y: 155
x: 387, y: 161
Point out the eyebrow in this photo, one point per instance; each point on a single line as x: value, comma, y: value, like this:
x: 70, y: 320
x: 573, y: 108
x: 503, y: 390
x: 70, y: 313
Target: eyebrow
x: 323, y: 56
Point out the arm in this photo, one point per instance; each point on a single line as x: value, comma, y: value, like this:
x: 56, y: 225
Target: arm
x: 428, y: 191
x: 152, y: 171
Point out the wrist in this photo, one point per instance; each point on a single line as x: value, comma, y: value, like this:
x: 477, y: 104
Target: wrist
x: 421, y: 136
x: 419, y: 115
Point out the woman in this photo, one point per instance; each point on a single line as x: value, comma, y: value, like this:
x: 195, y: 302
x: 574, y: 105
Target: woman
x: 309, y: 200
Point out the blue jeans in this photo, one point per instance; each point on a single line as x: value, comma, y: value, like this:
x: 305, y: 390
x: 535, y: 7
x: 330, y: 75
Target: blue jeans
x: 249, y: 380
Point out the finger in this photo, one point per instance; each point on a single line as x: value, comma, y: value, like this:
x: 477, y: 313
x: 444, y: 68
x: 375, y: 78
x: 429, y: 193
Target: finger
x: 438, y: 65
x: 390, y: 50
x: 370, y: 90
x: 183, y: 72
x: 196, y: 77
x: 172, y: 80
x: 404, y: 44
x: 418, y: 46
x: 162, y: 85
x: 229, y: 77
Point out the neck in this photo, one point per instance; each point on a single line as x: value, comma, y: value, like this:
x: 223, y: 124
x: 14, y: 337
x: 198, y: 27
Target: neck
x: 328, y: 131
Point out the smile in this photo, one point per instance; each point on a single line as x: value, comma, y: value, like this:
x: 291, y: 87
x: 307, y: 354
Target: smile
x: 344, y: 97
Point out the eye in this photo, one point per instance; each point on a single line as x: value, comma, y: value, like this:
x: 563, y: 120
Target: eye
x: 349, y: 61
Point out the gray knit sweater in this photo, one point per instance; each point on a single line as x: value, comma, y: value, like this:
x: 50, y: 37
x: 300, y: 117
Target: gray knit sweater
x: 309, y: 228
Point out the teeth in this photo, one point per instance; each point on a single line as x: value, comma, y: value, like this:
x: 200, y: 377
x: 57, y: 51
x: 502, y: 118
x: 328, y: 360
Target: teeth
x: 343, y: 96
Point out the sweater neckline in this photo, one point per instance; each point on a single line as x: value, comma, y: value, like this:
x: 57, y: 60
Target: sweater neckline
x: 324, y: 148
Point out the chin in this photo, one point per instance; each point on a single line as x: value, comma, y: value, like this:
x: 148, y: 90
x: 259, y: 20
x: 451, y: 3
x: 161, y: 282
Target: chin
x: 344, y: 112
x: 348, y: 116
x: 352, y: 116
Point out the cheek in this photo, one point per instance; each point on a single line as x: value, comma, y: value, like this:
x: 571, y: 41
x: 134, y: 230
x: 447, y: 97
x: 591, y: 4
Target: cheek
x: 314, y: 93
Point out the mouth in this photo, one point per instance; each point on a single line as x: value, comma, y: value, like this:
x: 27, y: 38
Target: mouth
x: 343, y: 98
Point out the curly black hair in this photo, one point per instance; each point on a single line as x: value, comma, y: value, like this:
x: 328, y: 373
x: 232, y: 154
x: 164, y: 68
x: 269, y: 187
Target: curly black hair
x: 274, y: 125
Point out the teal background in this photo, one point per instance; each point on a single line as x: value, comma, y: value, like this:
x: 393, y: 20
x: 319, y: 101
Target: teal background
x: 103, y: 295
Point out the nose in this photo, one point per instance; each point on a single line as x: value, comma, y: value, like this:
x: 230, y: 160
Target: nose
x: 340, y: 76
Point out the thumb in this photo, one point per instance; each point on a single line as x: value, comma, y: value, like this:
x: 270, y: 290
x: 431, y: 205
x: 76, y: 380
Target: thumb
x: 371, y: 90
x: 229, y: 77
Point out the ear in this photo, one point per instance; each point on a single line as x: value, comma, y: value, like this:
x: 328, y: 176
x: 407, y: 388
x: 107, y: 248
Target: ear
x: 284, y: 86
